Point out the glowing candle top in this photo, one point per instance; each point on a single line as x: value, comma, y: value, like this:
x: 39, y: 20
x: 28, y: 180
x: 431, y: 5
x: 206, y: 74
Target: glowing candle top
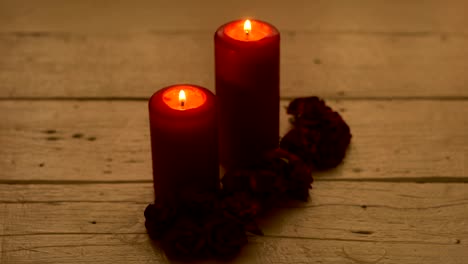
x: 249, y: 30
x: 184, y: 97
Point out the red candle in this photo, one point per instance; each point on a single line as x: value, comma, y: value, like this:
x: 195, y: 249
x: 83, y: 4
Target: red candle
x: 184, y: 141
x: 247, y: 87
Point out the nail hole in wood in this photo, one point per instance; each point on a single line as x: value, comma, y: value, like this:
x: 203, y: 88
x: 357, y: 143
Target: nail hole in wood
x: 362, y: 232
x: 77, y: 135
x: 50, y: 131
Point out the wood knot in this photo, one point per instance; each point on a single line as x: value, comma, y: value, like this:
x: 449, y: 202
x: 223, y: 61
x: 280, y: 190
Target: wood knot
x: 77, y: 135
x: 362, y: 232
x: 49, y: 131
x: 53, y: 138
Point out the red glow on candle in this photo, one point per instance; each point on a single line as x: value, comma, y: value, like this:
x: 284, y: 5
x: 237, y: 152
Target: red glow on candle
x: 247, y: 90
x: 184, y: 142
x: 249, y: 30
x: 184, y: 97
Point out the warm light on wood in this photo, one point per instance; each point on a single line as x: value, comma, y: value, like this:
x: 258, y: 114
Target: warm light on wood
x: 182, y: 98
x: 247, y: 26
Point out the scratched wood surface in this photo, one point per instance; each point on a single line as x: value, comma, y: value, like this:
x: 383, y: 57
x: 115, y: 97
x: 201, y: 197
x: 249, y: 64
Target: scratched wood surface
x: 367, y: 211
x: 75, y: 171
x: 383, y: 217
x: 406, y: 140
x: 129, y: 65
x: 399, y: 16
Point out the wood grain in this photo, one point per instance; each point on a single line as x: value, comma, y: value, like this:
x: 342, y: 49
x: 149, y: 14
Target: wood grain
x: 136, y: 249
x: 75, y: 173
x: 404, y: 223
x: 134, y: 65
x: 109, y: 141
x: 367, y: 212
x: 330, y: 15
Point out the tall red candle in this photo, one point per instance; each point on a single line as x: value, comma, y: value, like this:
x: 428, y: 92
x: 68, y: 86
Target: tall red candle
x: 184, y: 141
x: 247, y: 87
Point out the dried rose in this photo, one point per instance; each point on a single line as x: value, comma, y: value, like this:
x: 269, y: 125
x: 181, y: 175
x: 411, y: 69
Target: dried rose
x: 278, y: 173
x: 282, y: 155
x: 198, y: 203
x: 262, y: 183
x: 236, y: 181
x: 242, y: 208
x: 262, y: 178
x: 159, y: 219
x: 240, y: 205
x: 297, y: 175
x: 184, y: 240
x: 300, y: 180
x: 323, y: 147
x: 311, y: 108
x: 320, y: 136
x: 265, y: 182
x: 226, y: 236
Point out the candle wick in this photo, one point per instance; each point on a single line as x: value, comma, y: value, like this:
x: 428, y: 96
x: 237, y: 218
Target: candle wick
x: 182, y: 103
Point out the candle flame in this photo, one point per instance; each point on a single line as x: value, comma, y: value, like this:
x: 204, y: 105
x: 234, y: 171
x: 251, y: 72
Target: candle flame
x: 247, y: 26
x: 182, y: 98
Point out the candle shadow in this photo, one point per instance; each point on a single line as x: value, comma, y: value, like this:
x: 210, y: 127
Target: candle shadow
x: 272, y: 222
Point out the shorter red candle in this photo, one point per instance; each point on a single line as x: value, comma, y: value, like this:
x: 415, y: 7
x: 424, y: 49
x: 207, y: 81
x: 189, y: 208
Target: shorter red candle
x: 184, y: 142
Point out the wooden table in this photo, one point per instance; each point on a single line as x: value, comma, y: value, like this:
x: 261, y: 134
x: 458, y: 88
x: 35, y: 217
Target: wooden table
x: 75, y: 171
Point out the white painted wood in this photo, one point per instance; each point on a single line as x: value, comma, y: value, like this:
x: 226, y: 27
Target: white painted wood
x: 330, y: 15
x: 402, y: 196
x: 131, y: 65
x: 75, y: 176
x: 136, y: 249
x: 367, y: 212
x: 109, y: 140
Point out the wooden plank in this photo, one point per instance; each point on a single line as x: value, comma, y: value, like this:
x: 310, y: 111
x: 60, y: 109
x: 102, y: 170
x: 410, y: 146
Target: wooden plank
x: 331, y: 15
x: 129, y: 249
x: 109, y: 141
x: 324, y: 193
x: 47, y: 64
x: 409, y: 213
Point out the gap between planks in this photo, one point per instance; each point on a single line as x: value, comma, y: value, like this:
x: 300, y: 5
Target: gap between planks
x: 283, y: 98
x: 249, y: 235
x: 65, y: 34
x: 331, y: 65
x: 433, y: 179
x: 419, y: 141
x: 357, y: 211
x: 133, y: 249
